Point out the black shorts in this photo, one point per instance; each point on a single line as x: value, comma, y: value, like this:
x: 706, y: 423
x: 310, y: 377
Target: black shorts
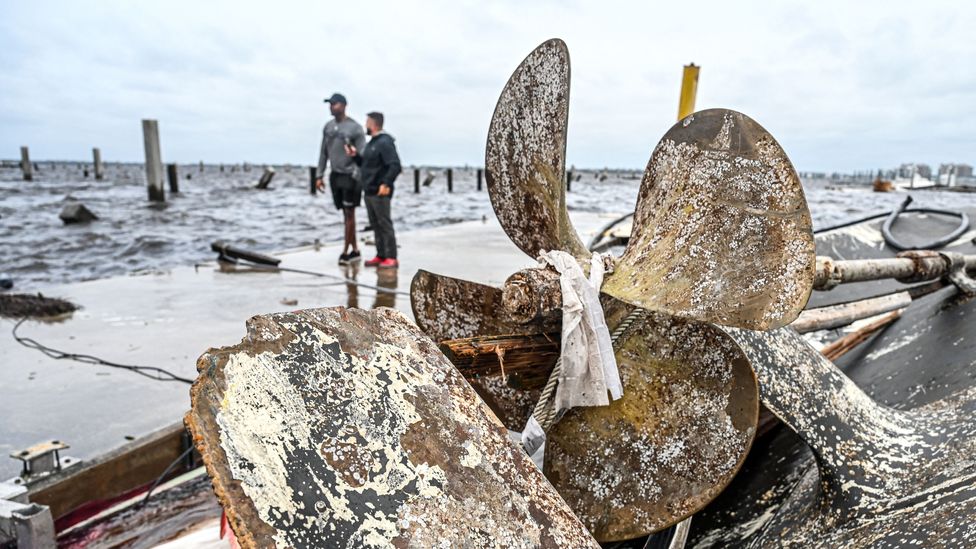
x: 346, y: 192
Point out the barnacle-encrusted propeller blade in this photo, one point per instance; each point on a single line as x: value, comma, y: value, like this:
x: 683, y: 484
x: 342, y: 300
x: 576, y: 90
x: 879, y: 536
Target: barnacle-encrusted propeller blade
x: 526, y: 154
x: 348, y: 428
x: 673, y: 441
x: 722, y: 232
x: 451, y: 308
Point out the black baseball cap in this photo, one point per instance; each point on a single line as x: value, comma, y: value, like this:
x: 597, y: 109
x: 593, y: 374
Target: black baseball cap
x: 337, y: 98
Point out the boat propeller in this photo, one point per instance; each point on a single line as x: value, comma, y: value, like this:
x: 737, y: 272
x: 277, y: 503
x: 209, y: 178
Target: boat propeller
x: 341, y: 427
x: 721, y: 236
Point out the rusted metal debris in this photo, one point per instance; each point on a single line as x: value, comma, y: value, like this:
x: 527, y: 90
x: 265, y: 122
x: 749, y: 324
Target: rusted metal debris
x: 347, y: 428
x: 884, y: 477
x: 525, y: 157
x: 722, y: 232
x: 911, y: 266
x: 671, y: 444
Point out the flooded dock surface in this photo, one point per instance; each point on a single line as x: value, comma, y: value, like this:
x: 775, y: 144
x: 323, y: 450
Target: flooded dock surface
x: 169, y: 319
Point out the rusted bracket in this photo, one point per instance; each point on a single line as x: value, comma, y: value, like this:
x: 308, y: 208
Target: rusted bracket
x: 42, y: 460
x: 956, y: 264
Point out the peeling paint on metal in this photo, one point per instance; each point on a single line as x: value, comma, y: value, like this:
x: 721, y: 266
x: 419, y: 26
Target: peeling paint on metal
x: 884, y: 478
x: 347, y: 428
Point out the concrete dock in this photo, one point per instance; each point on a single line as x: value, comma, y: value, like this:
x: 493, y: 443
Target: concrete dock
x: 168, y: 319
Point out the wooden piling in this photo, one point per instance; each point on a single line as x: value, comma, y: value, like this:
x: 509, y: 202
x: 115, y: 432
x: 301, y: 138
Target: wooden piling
x: 312, y: 178
x: 25, y: 164
x: 479, y: 178
x: 99, y: 168
x: 173, y: 177
x: 450, y: 180
x: 569, y: 181
x: 154, y: 162
x: 416, y: 180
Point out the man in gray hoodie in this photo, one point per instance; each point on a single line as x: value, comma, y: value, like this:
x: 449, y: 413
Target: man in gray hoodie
x: 343, y: 180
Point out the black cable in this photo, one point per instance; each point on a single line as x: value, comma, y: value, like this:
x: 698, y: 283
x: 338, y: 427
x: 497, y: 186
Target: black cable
x: 160, y: 478
x: 893, y: 215
x: 151, y: 372
x: 341, y: 279
x: 935, y: 244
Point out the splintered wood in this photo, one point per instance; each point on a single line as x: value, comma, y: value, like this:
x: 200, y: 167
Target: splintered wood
x: 347, y: 428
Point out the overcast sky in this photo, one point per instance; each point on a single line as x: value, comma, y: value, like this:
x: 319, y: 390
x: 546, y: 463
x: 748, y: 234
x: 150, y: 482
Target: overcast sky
x: 842, y: 85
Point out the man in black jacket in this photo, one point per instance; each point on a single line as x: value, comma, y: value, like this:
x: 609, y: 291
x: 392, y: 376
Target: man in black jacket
x: 379, y: 166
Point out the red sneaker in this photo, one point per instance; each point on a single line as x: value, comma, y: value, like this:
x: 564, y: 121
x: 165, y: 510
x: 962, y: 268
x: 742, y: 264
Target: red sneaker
x: 374, y: 262
x: 389, y: 263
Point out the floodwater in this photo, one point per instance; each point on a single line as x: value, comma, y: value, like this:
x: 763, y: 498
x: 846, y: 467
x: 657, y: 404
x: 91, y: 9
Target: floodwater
x: 132, y: 235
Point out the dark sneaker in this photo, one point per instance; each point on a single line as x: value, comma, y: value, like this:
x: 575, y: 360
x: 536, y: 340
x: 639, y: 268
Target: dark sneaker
x: 373, y: 262
x: 353, y: 256
x: 389, y: 263
x: 343, y: 259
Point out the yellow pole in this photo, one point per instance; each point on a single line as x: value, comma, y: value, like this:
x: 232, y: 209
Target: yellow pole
x: 689, y: 87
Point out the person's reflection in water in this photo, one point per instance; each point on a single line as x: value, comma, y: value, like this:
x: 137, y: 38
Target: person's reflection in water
x: 351, y: 272
x: 386, y: 278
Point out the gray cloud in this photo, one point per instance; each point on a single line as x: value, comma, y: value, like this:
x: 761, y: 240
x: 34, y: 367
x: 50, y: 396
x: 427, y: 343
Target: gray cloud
x: 842, y: 85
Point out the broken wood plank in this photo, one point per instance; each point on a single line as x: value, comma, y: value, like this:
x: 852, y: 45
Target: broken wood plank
x: 528, y: 357
x: 343, y: 427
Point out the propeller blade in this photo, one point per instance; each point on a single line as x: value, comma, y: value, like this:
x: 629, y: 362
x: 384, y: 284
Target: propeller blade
x: 451, y: 308
x: 525, y: 158
x: 722, y: 232
x: 348, y: 428
x: 671, y: 444
x: 448, y: 308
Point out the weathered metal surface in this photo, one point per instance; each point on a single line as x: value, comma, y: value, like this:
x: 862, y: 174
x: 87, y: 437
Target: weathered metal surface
x: 671, y: 444
x: 450, y: 308
x: 526, y: 154
x: 721, y: 232
x: 347, y: 428
x: 884, y: 478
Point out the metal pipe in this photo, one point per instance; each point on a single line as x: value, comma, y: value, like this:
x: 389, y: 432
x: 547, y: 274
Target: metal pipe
x: 915, y: 266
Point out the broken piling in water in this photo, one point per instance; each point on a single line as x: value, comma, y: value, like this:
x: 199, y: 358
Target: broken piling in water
x: 154, y: 162
x: 99, y: 167
x: 25, y: 164
x: 174, y: 178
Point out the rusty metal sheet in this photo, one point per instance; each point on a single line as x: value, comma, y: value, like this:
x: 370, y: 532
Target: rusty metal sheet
x: 671, y: 444
x: 722, y: 232
x: 347, y: 428
x: 884, y: 477
x: 525, y: 155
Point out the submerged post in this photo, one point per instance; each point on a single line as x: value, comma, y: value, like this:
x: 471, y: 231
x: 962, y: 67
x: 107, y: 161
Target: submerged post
x: 154, y: 161
x: 479, y: 178
x: 99, y: 168
x: 173, y: 177
x: 569, y: 181
x: 689, y: 87
x: 450, y: 180
x: 416, y: 180
x: 25, y: 164
x: 311, y: 179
